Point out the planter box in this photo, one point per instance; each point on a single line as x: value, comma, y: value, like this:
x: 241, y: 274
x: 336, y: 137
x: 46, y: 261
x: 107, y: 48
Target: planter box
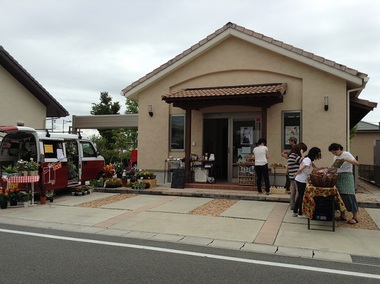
x: 278, y: 190
x: 152, y: 182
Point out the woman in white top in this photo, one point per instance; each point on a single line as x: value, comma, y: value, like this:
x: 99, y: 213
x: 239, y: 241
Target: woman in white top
x: 301, y: 177
x: 345, y: 183
x: 261, y: 155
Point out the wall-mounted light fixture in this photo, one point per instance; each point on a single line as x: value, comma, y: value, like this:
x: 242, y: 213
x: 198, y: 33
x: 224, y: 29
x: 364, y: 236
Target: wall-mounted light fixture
x: 150, y: 110
x: 326, y: 103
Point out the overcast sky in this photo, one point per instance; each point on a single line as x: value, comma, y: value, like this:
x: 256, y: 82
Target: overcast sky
x: 79, y: 48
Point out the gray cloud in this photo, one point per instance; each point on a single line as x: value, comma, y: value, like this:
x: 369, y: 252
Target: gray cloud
x: 77, y: 49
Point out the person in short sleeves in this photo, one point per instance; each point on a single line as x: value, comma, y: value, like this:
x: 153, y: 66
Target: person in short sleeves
x: 301, y: 177
x: 346, y: 183
x: 261, y: 155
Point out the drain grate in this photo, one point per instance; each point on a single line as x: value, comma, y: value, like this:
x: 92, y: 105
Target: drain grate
x: 365, y: 260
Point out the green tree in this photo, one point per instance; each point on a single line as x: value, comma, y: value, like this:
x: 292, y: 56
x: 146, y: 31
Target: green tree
x: 114, y: 144
x: 106, y: 106
x: 131, y: 134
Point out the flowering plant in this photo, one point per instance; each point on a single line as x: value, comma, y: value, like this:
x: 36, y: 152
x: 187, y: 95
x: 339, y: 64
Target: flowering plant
x: 119, y: 167
x: 32, y: 165
x: 142, y: 174
x: 22, y: 165
x: 130, y: 174
x: 3, y: 195
x: 109, y: 171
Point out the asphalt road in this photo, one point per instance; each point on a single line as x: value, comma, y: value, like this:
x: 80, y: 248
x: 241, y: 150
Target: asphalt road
x: 32, y: 255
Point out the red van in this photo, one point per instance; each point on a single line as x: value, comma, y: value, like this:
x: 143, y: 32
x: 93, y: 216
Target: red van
x: 65, y: 160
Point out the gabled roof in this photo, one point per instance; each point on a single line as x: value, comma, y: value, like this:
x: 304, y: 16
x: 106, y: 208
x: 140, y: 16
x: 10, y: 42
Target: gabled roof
x: 53, y: 107
x: 356, y: 78
x: 249, y: 95
x: 367, y: 127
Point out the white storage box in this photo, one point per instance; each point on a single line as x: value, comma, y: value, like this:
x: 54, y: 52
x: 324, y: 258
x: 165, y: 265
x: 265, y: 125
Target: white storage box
x: 200, y: 175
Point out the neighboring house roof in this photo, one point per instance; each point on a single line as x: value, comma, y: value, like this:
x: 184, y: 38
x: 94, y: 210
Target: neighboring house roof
x: 356, y: 80
x: 367, y: 127
x: 53, y: 107
x: 253, y: 95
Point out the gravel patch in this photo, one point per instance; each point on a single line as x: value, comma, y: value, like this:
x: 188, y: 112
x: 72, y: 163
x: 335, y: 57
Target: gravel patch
x: 106, y: 200
x: 214, y: 207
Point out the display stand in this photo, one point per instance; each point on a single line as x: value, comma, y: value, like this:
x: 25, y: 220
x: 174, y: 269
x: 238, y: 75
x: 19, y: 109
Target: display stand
x: 330, y: 196
x: 207, y: 166
x: 246, y: 174
x: 24, y: 179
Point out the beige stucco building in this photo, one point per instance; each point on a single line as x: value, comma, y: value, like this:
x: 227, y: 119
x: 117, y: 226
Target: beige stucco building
x: 23, y: 100
x: 363, y: 143
x: 238, y: 82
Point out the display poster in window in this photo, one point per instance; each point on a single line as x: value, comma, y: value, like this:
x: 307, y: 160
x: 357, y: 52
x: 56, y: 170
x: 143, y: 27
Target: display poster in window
x: 48, y: 148
x: 291, y: 131
x: 246, y: 135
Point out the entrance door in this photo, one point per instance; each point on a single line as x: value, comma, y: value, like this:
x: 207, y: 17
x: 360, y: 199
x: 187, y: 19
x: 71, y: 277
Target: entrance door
x: 215, y: 141
x: 230, y: 139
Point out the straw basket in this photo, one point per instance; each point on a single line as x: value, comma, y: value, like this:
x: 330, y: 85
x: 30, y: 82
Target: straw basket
x: 326, y: 179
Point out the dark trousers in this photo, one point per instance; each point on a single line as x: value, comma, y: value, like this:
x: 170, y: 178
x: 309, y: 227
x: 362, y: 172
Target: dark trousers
x: 262, y: 172
x: 301, y: 191
x: 287, y: 183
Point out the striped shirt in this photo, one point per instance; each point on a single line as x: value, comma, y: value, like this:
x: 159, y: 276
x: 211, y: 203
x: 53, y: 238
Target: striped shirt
x: 293, y: 164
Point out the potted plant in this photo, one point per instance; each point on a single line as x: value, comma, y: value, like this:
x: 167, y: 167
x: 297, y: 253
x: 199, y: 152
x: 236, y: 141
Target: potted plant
x: 32, y: 167
x: 13, y: 197
x: 119, y: 168
x: 50, y: 195
x: 25, y: 197
x: 22, y: 167
x: 113, y: 182
x: 3, y: 198
x: 9, y: 170
x: 147, y: 177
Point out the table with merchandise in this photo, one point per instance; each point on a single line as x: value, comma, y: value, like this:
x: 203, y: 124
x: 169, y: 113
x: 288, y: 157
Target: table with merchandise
x: 309, y: 204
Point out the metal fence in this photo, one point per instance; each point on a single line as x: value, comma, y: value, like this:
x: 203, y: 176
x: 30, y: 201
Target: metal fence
x: 370, y: 173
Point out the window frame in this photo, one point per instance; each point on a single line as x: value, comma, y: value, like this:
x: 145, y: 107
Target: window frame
x: 172, y: 116
x: 288, y: 122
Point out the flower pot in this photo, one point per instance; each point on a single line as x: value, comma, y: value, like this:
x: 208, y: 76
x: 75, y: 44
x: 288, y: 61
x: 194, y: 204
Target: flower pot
x: 43, y: 199
x: 33, y: 173
x: 26, y: 203
x: 4, y: 204
x: 152, y: 182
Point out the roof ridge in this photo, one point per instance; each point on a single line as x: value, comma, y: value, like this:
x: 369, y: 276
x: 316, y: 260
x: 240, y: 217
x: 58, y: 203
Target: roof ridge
x: 254, y: 34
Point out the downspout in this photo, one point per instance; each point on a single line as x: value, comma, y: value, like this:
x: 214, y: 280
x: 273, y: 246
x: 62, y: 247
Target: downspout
x: 348, y: 115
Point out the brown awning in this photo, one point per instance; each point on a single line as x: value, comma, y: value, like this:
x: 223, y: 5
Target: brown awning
x: 359, y: 109
x: 264, y: 95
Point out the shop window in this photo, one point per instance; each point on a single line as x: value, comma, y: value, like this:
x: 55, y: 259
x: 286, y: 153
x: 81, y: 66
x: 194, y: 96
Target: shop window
x: 177, y: 132
x: 291, y: 127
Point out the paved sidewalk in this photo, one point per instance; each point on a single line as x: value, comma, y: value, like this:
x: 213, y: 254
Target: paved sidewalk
x: 250, y: 224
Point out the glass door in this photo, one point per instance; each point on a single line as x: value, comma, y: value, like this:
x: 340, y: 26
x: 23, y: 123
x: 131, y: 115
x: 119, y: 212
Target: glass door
x: 245, y: 133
